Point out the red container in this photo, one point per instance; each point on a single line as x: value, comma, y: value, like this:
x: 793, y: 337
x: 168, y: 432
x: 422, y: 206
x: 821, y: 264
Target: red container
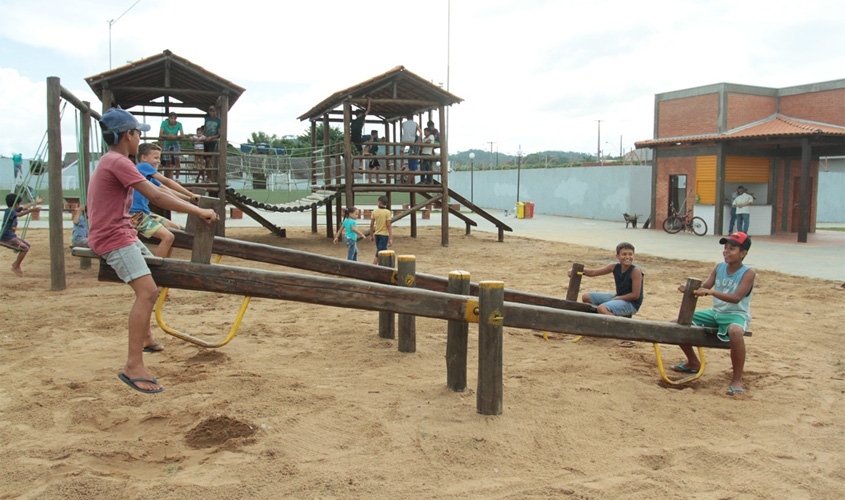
x: 529, y: 209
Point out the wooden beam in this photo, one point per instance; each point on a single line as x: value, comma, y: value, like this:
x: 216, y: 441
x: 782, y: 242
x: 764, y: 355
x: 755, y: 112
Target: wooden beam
x: 490, y: 338
x: 403, y: 300
x: 298, y: 259
x: 457, y: 334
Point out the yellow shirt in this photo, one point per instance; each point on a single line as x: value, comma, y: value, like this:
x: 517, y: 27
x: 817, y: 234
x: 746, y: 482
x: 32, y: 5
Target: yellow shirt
x: 381, y: 216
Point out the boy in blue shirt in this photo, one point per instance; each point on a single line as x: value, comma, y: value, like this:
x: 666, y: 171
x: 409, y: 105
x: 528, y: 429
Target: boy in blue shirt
x: 730, y: 284
x: 149, y: 224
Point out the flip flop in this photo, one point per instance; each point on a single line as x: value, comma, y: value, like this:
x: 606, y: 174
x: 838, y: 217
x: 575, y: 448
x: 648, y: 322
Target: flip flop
x: 152, y: 348
x: 682, y: 367
x: 131, y: 383
x: 627, y: 343
x: 733, y: 392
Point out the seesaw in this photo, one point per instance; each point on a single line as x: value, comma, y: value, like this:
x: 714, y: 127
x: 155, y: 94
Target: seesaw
x: 685, y: 313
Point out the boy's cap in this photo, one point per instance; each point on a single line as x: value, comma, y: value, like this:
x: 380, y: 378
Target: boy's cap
x: 119, y: 121
x: 739, y: 239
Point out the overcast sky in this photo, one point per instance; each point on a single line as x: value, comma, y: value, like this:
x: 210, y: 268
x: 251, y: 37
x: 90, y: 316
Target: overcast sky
x: 533, y: 73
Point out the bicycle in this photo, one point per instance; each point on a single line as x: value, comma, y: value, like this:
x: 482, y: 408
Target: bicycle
x: 675, y: 222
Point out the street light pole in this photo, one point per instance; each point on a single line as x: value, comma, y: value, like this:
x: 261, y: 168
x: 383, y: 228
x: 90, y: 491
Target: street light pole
x: 112, y: 21
x: 518, y: 169
x: 472, y: 178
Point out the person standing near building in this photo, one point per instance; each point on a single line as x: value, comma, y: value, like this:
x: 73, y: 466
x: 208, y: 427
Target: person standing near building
x: 742, y: 203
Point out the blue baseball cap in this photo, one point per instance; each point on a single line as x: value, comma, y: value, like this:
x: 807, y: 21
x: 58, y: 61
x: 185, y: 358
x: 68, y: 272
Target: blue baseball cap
x: 119, y: 121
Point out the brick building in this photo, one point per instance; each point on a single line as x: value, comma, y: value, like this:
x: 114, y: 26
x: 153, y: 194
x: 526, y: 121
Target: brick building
x: 709, y: 140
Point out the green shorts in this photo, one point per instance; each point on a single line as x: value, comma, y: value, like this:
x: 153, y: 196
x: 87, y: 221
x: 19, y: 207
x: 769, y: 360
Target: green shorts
x: 709, y: 318
x: 147, y: 224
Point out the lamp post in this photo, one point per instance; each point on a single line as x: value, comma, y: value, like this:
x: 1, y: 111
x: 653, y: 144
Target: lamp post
x: 518, y: 169
x: 472, y: 177
x: 112, y: 21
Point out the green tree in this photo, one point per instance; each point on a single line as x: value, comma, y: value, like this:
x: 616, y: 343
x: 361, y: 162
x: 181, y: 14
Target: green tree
x: 335, y: 136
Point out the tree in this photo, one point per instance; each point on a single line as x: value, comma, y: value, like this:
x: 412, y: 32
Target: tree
x: 335, y: 136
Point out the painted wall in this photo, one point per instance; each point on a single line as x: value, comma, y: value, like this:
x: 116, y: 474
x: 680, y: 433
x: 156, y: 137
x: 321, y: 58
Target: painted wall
x: 587, y: 192
x: 831, y: 202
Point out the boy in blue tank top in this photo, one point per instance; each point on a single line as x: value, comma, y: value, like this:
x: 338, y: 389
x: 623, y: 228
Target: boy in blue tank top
x: 629, y: 287
x: 730, y: 284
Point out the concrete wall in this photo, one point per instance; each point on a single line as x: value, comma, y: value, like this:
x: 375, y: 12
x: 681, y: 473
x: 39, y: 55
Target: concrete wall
x: 831, y: 199
x: 587, y: 192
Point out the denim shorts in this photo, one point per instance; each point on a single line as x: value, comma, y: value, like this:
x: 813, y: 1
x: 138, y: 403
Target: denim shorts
x: 128, y: 262
x: 709, y: 318
x: 381, y: 242
x: 170, y: 147
x: 617, y: 307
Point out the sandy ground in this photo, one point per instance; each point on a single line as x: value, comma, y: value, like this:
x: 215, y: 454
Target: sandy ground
x: 308, y: 402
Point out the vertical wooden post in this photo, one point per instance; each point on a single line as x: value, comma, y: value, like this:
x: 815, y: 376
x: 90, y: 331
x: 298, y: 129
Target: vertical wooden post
x: 413, y: 201
x: 314, y: 220
x: 407, y: 266
x: 386, y: 323
x: 457, y: 333
x: 349, y: 178
x: 220, y: 170
x: 444, y: 177
x: 329, y: 221
x: 688, y: 302
x: 204, y: 233
x: 491, y: 303
x: 54, y: 163
x: 85, y: 139
x: 575, y: 281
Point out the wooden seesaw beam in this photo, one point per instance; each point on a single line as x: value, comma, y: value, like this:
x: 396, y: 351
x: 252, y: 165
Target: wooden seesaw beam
x: 413, y: 301
x: 358, y: 270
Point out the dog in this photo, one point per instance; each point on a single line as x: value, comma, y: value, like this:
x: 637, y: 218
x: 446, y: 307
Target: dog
x: 630, y: 219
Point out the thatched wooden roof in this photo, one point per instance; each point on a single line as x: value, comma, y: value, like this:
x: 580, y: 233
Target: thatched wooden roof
x: 396, y: 93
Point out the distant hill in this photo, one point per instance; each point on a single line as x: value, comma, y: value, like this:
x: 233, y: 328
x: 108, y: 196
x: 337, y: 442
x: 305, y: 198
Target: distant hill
x: 484, y: 159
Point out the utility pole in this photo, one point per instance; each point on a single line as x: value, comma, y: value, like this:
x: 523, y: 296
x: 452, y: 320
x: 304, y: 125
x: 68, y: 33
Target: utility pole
x: 491, y: 153
x: 598, y: 143
x: 112, y: 21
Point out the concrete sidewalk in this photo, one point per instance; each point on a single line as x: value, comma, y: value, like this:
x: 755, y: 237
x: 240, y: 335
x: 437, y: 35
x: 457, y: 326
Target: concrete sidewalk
x: 822, y: 257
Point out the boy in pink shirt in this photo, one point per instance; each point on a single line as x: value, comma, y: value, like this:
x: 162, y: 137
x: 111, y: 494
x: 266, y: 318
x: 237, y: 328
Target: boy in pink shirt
x: 113, y: 237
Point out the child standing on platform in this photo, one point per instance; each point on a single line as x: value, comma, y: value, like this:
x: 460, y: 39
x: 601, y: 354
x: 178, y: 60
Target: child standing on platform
x: 629, y: 287
x: 349, y: 229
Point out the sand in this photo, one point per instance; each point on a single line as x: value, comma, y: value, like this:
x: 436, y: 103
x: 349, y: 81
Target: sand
x: 308, y: 402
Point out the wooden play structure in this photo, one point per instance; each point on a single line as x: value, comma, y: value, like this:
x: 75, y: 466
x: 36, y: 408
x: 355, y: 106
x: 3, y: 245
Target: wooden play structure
x: 392, y: 97
x: 395, y: 288
x: 167, y: 83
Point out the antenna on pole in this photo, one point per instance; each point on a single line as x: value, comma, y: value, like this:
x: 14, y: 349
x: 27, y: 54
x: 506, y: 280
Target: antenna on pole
x: 112, y: 21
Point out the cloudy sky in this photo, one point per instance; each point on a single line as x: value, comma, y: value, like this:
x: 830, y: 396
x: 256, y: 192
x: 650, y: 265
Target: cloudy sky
x: 533, y: 73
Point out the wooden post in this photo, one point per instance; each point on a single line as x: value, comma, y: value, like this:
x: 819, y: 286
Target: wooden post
x: 688, y: 302
x: 457, y: 333
x: 575, y: 281
x: 444, y: 177
x: 406, y: 277
x: 85, y: 140
x: 386, y: 323
x: 204, y: 233
x: 491, y: 300
x: 219, y: 168
x: 413, y: 200
x: 349, y: 178
x: 54, y: 162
